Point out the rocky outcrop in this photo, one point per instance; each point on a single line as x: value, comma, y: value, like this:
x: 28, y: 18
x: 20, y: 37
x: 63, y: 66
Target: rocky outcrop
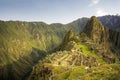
x: 68, y: 37
x: 96, y: 31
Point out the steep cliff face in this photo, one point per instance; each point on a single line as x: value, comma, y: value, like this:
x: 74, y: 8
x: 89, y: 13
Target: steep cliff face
x: 115, y: 38
x: 99, y: 36
x: 96, y: 31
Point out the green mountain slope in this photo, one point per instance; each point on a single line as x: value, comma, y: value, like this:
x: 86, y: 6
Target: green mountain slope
x: 22, y: 44
x: 85, y: 56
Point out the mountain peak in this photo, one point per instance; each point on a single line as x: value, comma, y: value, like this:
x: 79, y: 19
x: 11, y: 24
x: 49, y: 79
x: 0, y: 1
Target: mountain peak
x: 94, y: 18
x: 95, y: 30
x: 92, y: 24
x: 68, y: 36
x: 98, y: 34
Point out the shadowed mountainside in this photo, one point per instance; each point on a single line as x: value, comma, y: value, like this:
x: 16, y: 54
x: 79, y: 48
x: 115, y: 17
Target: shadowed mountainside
x: 111, y: 21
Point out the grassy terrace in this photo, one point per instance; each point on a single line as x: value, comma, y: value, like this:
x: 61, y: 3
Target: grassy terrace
x: 86, y: 51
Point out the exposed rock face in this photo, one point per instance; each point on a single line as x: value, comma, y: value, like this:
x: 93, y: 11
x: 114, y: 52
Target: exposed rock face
x: 102, y: 35
x: 96, y: 31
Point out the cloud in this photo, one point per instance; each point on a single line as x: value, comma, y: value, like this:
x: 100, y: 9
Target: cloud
x: 101, y: 13
x: 94, y: 2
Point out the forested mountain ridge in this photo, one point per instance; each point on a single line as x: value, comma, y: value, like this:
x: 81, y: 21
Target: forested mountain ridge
x: 22, y: 44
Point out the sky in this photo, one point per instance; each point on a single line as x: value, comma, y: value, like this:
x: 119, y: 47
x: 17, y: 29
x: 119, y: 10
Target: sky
x: 56, y: 11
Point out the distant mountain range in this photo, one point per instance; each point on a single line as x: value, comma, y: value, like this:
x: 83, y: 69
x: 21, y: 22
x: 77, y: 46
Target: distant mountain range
x: 111, y: 21
x: 23, y: 44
